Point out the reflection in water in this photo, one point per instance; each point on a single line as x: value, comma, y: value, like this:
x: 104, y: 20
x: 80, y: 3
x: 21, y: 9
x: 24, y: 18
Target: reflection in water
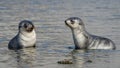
x: 24, y: 58
x: 78, y: 60
x: 83, y: 58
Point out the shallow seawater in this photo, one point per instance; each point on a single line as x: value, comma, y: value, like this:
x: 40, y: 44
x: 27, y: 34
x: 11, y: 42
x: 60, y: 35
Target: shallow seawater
x: 101, y: 17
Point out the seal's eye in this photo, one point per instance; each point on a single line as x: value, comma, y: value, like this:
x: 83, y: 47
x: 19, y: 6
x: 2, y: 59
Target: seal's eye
x: 72, y: 22
x: 25, y: 25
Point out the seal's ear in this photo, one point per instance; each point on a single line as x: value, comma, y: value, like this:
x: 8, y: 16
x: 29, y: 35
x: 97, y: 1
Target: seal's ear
x: 80, y: 23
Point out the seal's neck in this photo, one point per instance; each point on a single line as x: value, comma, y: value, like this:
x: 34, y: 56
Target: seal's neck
x: 28, y: 34
x: 80, y: 37
x: 27, y: 39
x: 79, y: 30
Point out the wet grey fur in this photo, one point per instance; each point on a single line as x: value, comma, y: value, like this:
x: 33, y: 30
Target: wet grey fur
x: 25, y: 37
x: 84, y: 40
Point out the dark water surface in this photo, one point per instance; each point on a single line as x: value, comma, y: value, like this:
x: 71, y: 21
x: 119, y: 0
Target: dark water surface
x: 101, y: 17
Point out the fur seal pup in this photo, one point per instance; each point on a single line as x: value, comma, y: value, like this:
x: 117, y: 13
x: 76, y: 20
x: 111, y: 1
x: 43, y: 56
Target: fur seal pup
x: 26, y: 36
x: 84, y: 40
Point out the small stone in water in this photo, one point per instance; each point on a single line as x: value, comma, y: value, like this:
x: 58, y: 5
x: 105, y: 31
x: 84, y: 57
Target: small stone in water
x: 90, y: 61
x: 65, y: 61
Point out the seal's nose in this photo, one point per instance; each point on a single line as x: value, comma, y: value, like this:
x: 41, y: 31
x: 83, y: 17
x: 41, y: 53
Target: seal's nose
x: 66, y: 22
x: 28, y: 25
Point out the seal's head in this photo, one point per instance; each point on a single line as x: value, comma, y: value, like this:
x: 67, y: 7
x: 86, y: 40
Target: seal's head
x: 26, y: 26
x: 74, y: 23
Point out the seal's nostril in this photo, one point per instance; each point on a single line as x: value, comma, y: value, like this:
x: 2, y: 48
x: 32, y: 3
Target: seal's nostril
x: 65, y: 21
